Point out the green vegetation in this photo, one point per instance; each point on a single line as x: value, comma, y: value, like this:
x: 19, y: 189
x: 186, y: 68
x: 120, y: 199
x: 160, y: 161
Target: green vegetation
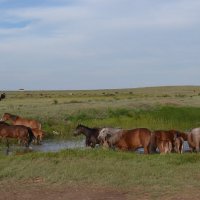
x: 61, y: 111
x: 155, y: 173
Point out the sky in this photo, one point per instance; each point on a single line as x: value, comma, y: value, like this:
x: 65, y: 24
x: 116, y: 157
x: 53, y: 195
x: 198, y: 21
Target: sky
x: 98, y: 44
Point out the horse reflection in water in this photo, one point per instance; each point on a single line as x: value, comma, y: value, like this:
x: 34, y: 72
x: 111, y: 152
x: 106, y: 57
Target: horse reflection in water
x: 126, y: 139
x: 19, y: 132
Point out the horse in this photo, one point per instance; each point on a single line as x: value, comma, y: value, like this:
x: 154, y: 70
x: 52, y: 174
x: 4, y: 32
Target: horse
x: 2, y: 96
x: 179, y: 141
x: 126, y: 139
x: 194, y: 139
x: 167, y: 141
x: 17, y: 120
x: 39, y: 134
x: 19, y: 132
x: 91, y: 135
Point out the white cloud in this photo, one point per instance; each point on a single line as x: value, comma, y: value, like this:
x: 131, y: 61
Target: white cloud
x: 112, y: 37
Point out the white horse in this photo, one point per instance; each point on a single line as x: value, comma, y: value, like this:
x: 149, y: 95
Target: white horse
x: 108, y: 136
x: 194, y: 139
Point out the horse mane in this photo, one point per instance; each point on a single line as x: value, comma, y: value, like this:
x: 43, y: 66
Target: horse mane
x: 81, y: 125
x: 13, y: 117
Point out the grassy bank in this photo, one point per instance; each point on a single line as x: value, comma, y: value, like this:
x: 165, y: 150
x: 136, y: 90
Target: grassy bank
x: 154, y: 173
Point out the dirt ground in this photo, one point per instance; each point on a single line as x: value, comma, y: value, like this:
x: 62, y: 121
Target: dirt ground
x: 43, y: 192
x: 33, y: 191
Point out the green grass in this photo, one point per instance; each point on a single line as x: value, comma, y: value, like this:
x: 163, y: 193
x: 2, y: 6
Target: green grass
x: 61, y: 111
x: 107, y: 168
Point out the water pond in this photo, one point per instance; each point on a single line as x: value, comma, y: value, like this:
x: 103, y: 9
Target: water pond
x: 55, y: 146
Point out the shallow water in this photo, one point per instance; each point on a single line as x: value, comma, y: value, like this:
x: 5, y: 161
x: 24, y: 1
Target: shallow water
x: 46, y: 146
x: 55, y: 146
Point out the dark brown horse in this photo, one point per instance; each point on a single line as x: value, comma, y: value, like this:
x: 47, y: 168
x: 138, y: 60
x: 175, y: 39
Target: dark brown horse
x: 2, y: 96
x: 16, y: 120
x: 91, y: 135
x: 18, y: 132
x: 126, y: 139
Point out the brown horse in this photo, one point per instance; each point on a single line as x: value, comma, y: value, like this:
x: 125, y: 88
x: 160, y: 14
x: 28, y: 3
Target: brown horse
x: 19, y: 132
x: 179, y: 141
x: 126, y: 139
x: 39, y: 134
x: 16, y: 120
x: 166, y: 141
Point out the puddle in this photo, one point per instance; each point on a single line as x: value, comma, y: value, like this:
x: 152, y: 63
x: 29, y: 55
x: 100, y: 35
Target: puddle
x: 46, y: 146
x: 54, y: 146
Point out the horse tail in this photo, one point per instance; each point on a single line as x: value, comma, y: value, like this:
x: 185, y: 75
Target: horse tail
x: 31, y: 136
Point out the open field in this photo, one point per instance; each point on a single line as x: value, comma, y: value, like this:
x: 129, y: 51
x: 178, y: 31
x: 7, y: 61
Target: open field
x: 109, y: 174
x: 61, y: 111
x: 138, y: 176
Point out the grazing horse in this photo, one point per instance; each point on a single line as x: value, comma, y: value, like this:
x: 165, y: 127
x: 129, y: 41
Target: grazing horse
x: 126, y: 139
x: 194, y: 139
x: 167, y: 141
x: 19, y: 132
x: 16, y: 120
x: 91, y: 135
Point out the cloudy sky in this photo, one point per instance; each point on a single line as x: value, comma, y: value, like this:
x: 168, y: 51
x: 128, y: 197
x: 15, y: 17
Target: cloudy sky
x: 94, y: 44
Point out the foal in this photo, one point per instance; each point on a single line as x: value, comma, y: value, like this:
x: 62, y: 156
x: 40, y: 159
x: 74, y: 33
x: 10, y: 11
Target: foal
x: 91, y: 135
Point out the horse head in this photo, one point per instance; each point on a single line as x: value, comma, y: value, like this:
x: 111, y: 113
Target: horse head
x: 79, y: 130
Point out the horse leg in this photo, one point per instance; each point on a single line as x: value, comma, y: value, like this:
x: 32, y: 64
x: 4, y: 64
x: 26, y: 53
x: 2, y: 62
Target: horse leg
x: 197, y: 148
x: 28, y: 141
x: 8, y: 147
x: 162, y: 147
x: 146, y: 149
x: 39, y: 139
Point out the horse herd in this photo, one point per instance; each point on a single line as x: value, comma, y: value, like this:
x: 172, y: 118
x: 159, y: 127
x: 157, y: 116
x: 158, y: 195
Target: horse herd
x: 24, y: 130
x: 165, y: 141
